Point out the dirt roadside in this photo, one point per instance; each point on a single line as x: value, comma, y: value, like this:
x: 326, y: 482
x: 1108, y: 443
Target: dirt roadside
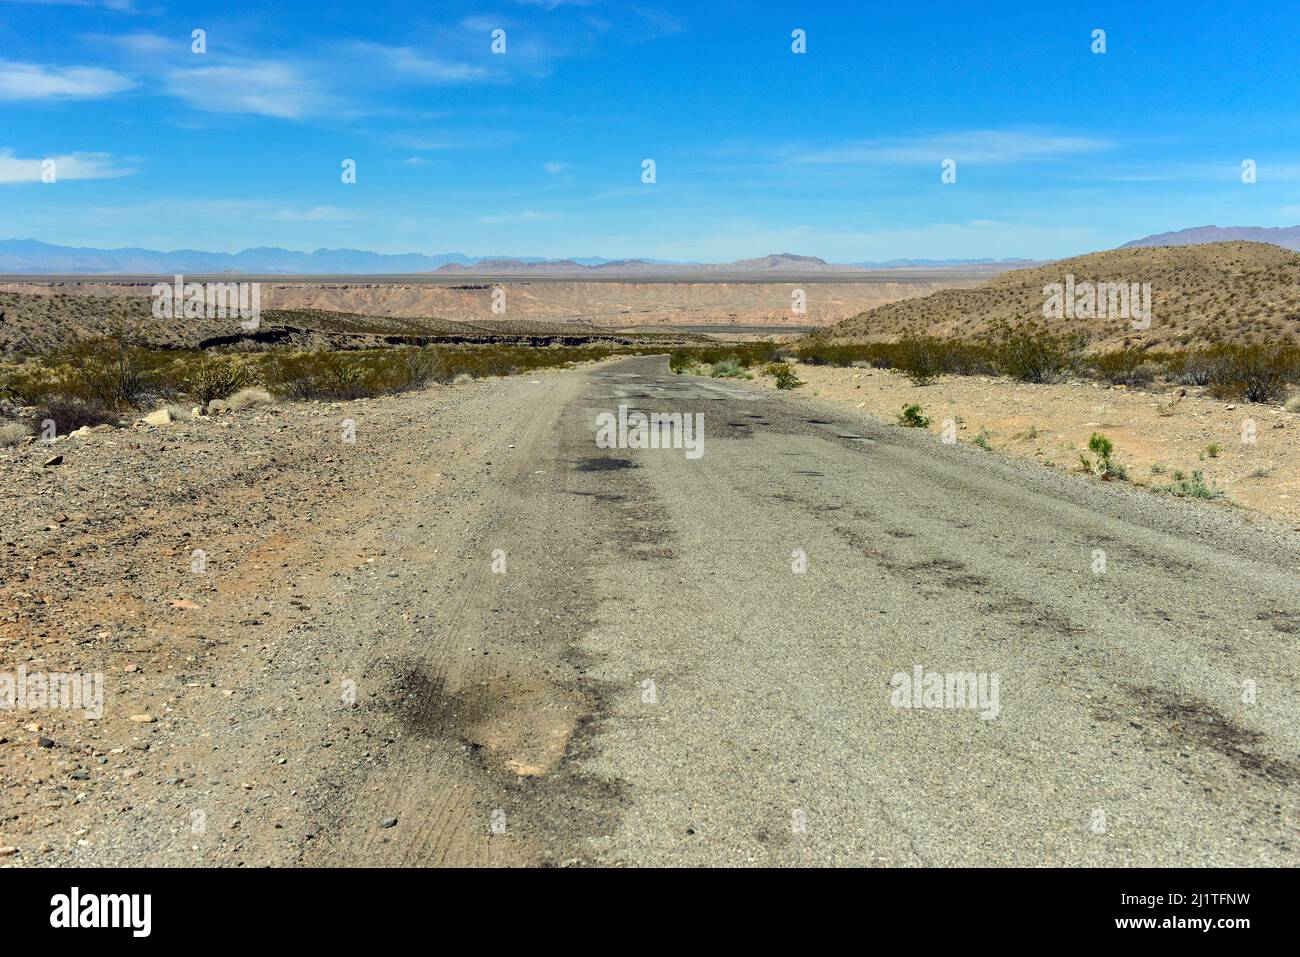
x: 1051, y: 424
x: 297, y: 635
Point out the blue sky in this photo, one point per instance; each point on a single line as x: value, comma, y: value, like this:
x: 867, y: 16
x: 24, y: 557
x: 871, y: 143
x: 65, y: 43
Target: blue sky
x: 538, y: 151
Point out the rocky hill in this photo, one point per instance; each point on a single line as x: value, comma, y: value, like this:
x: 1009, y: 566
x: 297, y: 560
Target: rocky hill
x: 1232, y: 291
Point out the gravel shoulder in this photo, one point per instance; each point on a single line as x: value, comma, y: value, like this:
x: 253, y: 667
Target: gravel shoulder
x: 344, y: 643
x: 1256, y: 448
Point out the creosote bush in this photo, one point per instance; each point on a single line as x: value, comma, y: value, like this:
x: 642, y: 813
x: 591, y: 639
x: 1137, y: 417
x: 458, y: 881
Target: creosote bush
x: 1032, y: 352
x: 1129, y: 367
x: 784, y: 374
x: 1251, y: 373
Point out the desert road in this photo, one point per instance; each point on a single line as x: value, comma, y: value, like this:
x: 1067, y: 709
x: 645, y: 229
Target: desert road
x: 573, y: 655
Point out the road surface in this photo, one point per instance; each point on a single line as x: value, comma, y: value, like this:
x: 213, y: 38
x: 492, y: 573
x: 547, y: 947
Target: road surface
x: 567, y: 654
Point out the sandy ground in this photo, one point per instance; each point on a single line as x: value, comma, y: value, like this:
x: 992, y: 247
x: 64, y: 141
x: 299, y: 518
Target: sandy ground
x: 1052, y: 424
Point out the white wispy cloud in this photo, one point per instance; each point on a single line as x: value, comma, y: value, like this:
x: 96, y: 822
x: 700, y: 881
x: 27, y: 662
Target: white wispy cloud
x: 264, y: 88
x: 70, y: 166
x: 407, y: 63
x: 971, y: 146
x: 141, y: 43
x: 554, y: 167
x: 33, y: 81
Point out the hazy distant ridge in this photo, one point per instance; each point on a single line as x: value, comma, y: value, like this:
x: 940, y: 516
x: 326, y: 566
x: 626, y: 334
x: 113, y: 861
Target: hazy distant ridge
x: 32, y: 256
x: 1286, y: 236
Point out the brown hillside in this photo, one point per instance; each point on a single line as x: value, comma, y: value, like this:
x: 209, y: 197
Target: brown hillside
x: 1231, y: 292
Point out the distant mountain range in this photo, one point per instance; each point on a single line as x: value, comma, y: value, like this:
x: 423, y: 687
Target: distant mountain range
x: 32, y: 256
x: 1286, y: 236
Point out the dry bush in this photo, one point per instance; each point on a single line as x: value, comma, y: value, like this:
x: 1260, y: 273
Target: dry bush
x: 69, y: 414
x: 248, y: 399
x: 13, y: 433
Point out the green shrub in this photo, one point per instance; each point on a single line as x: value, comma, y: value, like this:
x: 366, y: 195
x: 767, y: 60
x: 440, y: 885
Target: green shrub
x: 913, y: 418
x: 744, y: 354
x: 729, y: 368
x: 1192, y: 367
x: 205, y: 378
x: 784, y: 374
x: 108, y: 373
x: 1031, y: 352
x: 828, y: 354
x: 1129, y: 367
x: 1103, y: 466
x: 1195, y: 487
x: 920, y: 358
x: 29, y: 383
x: 1250, y: 373
x: 682, y: 362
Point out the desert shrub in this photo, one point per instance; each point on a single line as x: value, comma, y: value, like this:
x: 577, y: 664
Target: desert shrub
x: 982, y: 440
x: 1031, y: 352
x: 70, y: 414
x: 1104, y: 464
x: 729, y: 368
x: 920, y: 358
x: 109, y: 373
x: 205, y: 378
x: 28, y: 383
x: 408, y: 369
x: 829, y: 354
x: 682, y: 362
x: 745, y: 354
x: 248, y: 399
x: 1128, y: 367
x: 784, y: 374
x: 1194, y: 487
x: 913, y: 418
x: 319, y: 375
x: 968, y: 358
x: 1251, y: 373
x: 1293, y: 404
x: 1192, y: 367
x: 12, y: 433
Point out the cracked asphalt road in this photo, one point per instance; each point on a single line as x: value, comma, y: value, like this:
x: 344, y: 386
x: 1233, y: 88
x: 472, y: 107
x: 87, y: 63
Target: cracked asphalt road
x: 1121, y: 738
